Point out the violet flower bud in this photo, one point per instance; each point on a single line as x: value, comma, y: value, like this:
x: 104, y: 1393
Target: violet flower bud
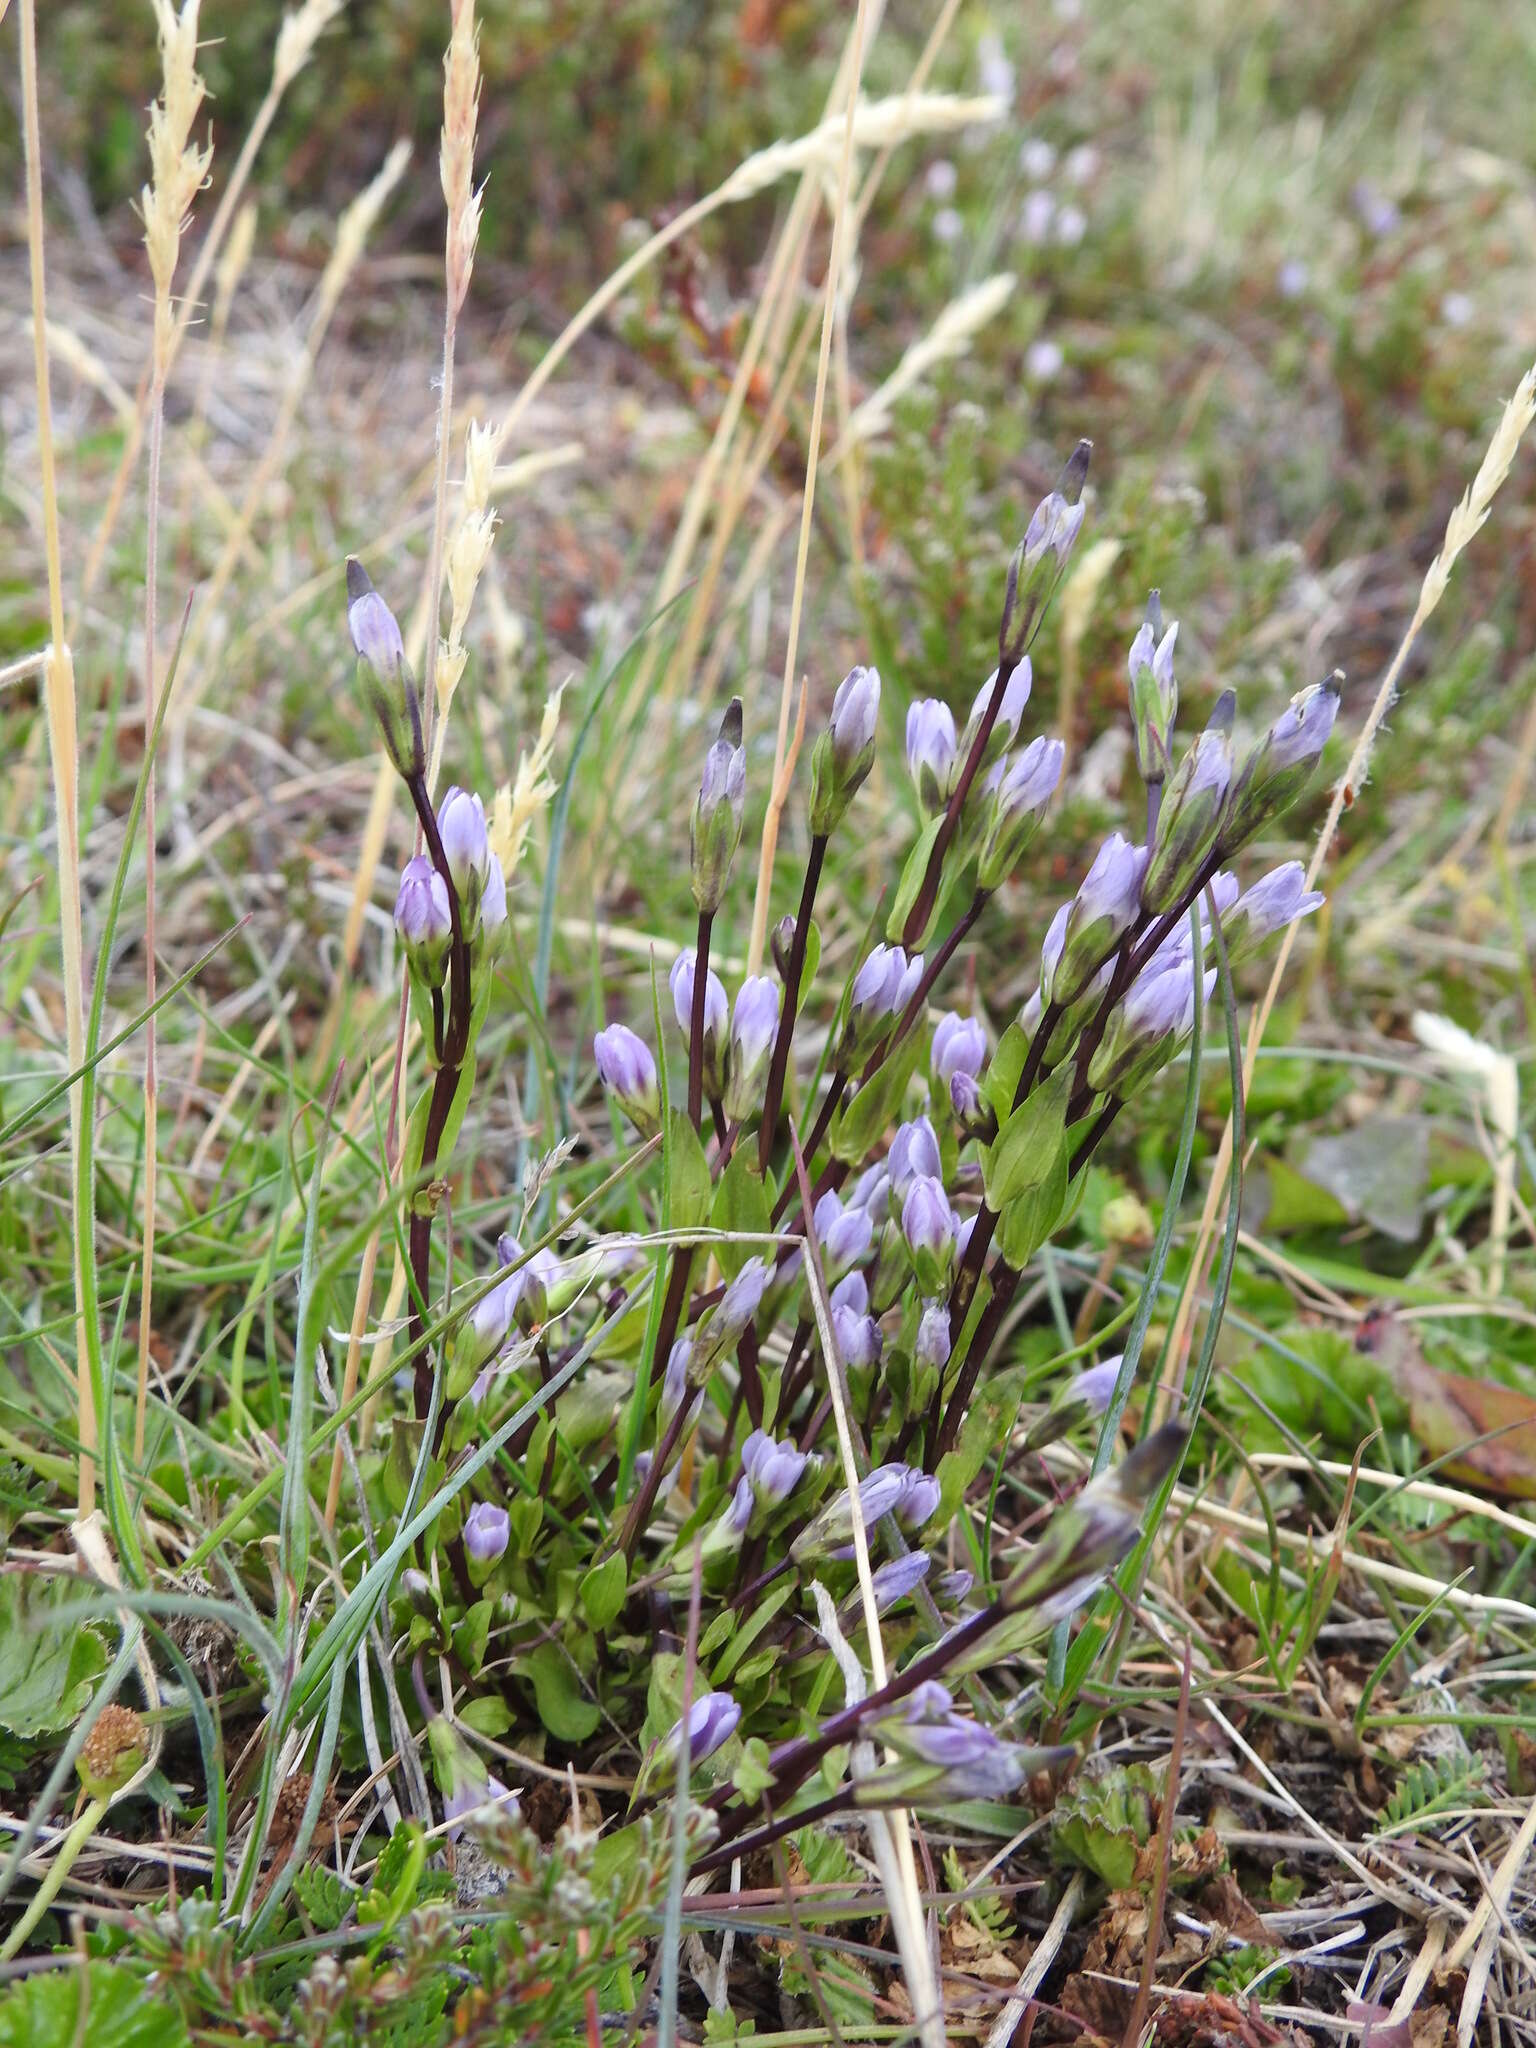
x: 468, y: 1798
x: 973, y: 1113
x: 1278, y: 899
x: 950, y: 1588
x: 383, y: 674
x: 914, y: 1151
x: 1094, y: 1386
x: 872, y: 1192
x: 843, y: 1234
x: 858, y: 1336
x: 1010, y: 711
x: 627, y: 1070
x: 852, y: 1291
x: 775, y: 1469
x: 736, y: 1519
x: 1145, y: 1029
x: 715, y: 829
x: 882, y: 988
x: 424, y: 921
x: 1154, y: 692
x: 919, y: 1502
x: 493, y: 906
x: 674, y: 1385
x: 1278, y: 769
x: 722, y: 1330
x: 928, y: 1227
x: 945, y: 1756
x: 959, y: 1047
x: 1041, y: 558
x: 466, y: 843
x: 487, y: 1530
x: 712, y: 1722
x: 716, y: 1017
x: 781, y: 943
x: 754, y: 1027
x: 898, y: 1579
x: 1103, y: 910
x: 845, y: 752
x: 932, y: 1345
x: 831, y: 1530
x: 933, y: 752
x: 1019, y: 791
x: 1192, y: 811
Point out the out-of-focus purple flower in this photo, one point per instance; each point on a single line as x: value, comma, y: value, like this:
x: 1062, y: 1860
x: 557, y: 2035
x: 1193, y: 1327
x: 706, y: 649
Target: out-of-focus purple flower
x: 674, y: 1384
x: 487, y: 1529
x: 1044, y: 360
x: 1018, y: 790
x: 852, y: 1291
x: 468, y: 1798
x: 754, y: 1027
x: 715, y: 829
x: 932, y: 1342
x: 940, y: 178
x: 1035, y: 217
x: 1094, y: 1386
x: 914, y: 1151
x: 858, y: 1336
x: 872, y: 1192
x: 920, y: 1497
x: 959, y: 1046
x: 1037, y: 158
x: 933, y: 752
x: 1278, y: 899
x: 995, y: 68
x: 843, y: 1233
x: 1103, y: 910
x: 928, y: 1227
x: 1458, y: 309
x: 897, y: 1579
x: 424, y: 921
x: 1080, y: 166
x: 1071, y: 226
x: 627, y: 1069
x: 948, y: 225
x: 775, y: 1469
x: 950, y: 1588
x: 466, y: 843
x: 1378, y: 214
x: 1292, y: 278
x: 1279, y: 767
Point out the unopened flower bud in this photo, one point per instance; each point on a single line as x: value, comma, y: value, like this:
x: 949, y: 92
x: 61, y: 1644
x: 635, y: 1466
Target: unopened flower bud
x: 932, y: 1345
x: 898, y: 1579
x: 843, y: 1234
x: 857, y: 1334
x: 1154, y: 692
x: 933, y: 752
x: 493, y: 907
x: 722, y: 1331
x: 487, y: 1530
x: 959, y: 1047
x: 781, y: 944
x: 715, y: 829
x: 943, y: 1756
x: 852, y: 1291
x: 928, y: 1226
x: 872, y: 1192
x: 1278, y: 899
x: 973, y: 1113
x: 1006, y: 725
x: 466, y: 844
x: 1191, y: 814
x: 882, y: 988
x: 914, y: 1151
x: 831, y: 1530
x: 1103, y: 910
x: 845, y: 752
x: 114, y: 1751
x: 775, y: 1469
x: 712, y: 1722
x: 627, y: 1070
x: 383, y: 673
x: 1041, y: 558
x: 1279, y: 767
x: 919, y: 1502
x: 1146, y: 1028
x: 424, y: 921
x: 754, y: 1027
x: 950, y: 1588
x: 1019, y: 791
x: 716, y: 1017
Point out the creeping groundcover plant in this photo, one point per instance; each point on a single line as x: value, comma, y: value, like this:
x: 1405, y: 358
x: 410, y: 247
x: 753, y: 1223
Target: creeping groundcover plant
x: 702, y: 1509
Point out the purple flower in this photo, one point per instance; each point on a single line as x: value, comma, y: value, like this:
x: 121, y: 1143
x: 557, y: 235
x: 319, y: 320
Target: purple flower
x: 1010, y: 711
x: 959, y: 1047
x: 373, y: 626
x: 1018, y: 790
x: 715, y: 828
x: 831, y: 1530
x: 493, y: 902
x: 754, y: 1027
x: 775, y: 1469
x: 933, y: 752
x: 711, y: 1722
x: 1154, y: 691
x: 872, y: 1192
x: 963, y: 1759
x: 1095, y: 1386
x: 914, y: 1150
x: 855, y: 714
x: 486, y: 1531
x: 928, y: 1226
x: 466, y: 844
x: 1041, y: 557
x: 852, y: 1291
x: 1279, y: 767
x: 1192, y: 813
x: 1278, y: 899
x: 844, y: 1234
x: 737, y: 1518
x: 920, y: 1496
x: 973, y: 1113
x: 627, y: 1070
x: 423, y: 920
x: 468, y: 1798
x: 734, y: 1311
x: 932, y: 1345
x: 1145, y: 1029
x: 882, y: 988
x: 857, y: 1335
x: 951, y: 1587
x: 674, y: 1384
x: 716, y: 1008
x: 1103, y: 910
x: 897, y: 1579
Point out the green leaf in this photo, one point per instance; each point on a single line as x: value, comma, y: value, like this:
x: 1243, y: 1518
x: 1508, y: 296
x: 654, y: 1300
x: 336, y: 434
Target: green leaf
x: 1033, y: 1214
x: 563, y: 1708
x: 912, y: 878
x: 111, y: 2007
x: 471, y: 1635
x: 325, y: 1900
x: 812, y: 960
x: 860, y: 1122
x: 1004, y: 1069
x: 603, y: 1590
x: 741, y: 1203
x: 486, y: 1715
x: 1022, y: 1155
x: 688, y: 1183
x: 749, y: 1631
x: 49, y: 1656
x: 752, y: 1777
